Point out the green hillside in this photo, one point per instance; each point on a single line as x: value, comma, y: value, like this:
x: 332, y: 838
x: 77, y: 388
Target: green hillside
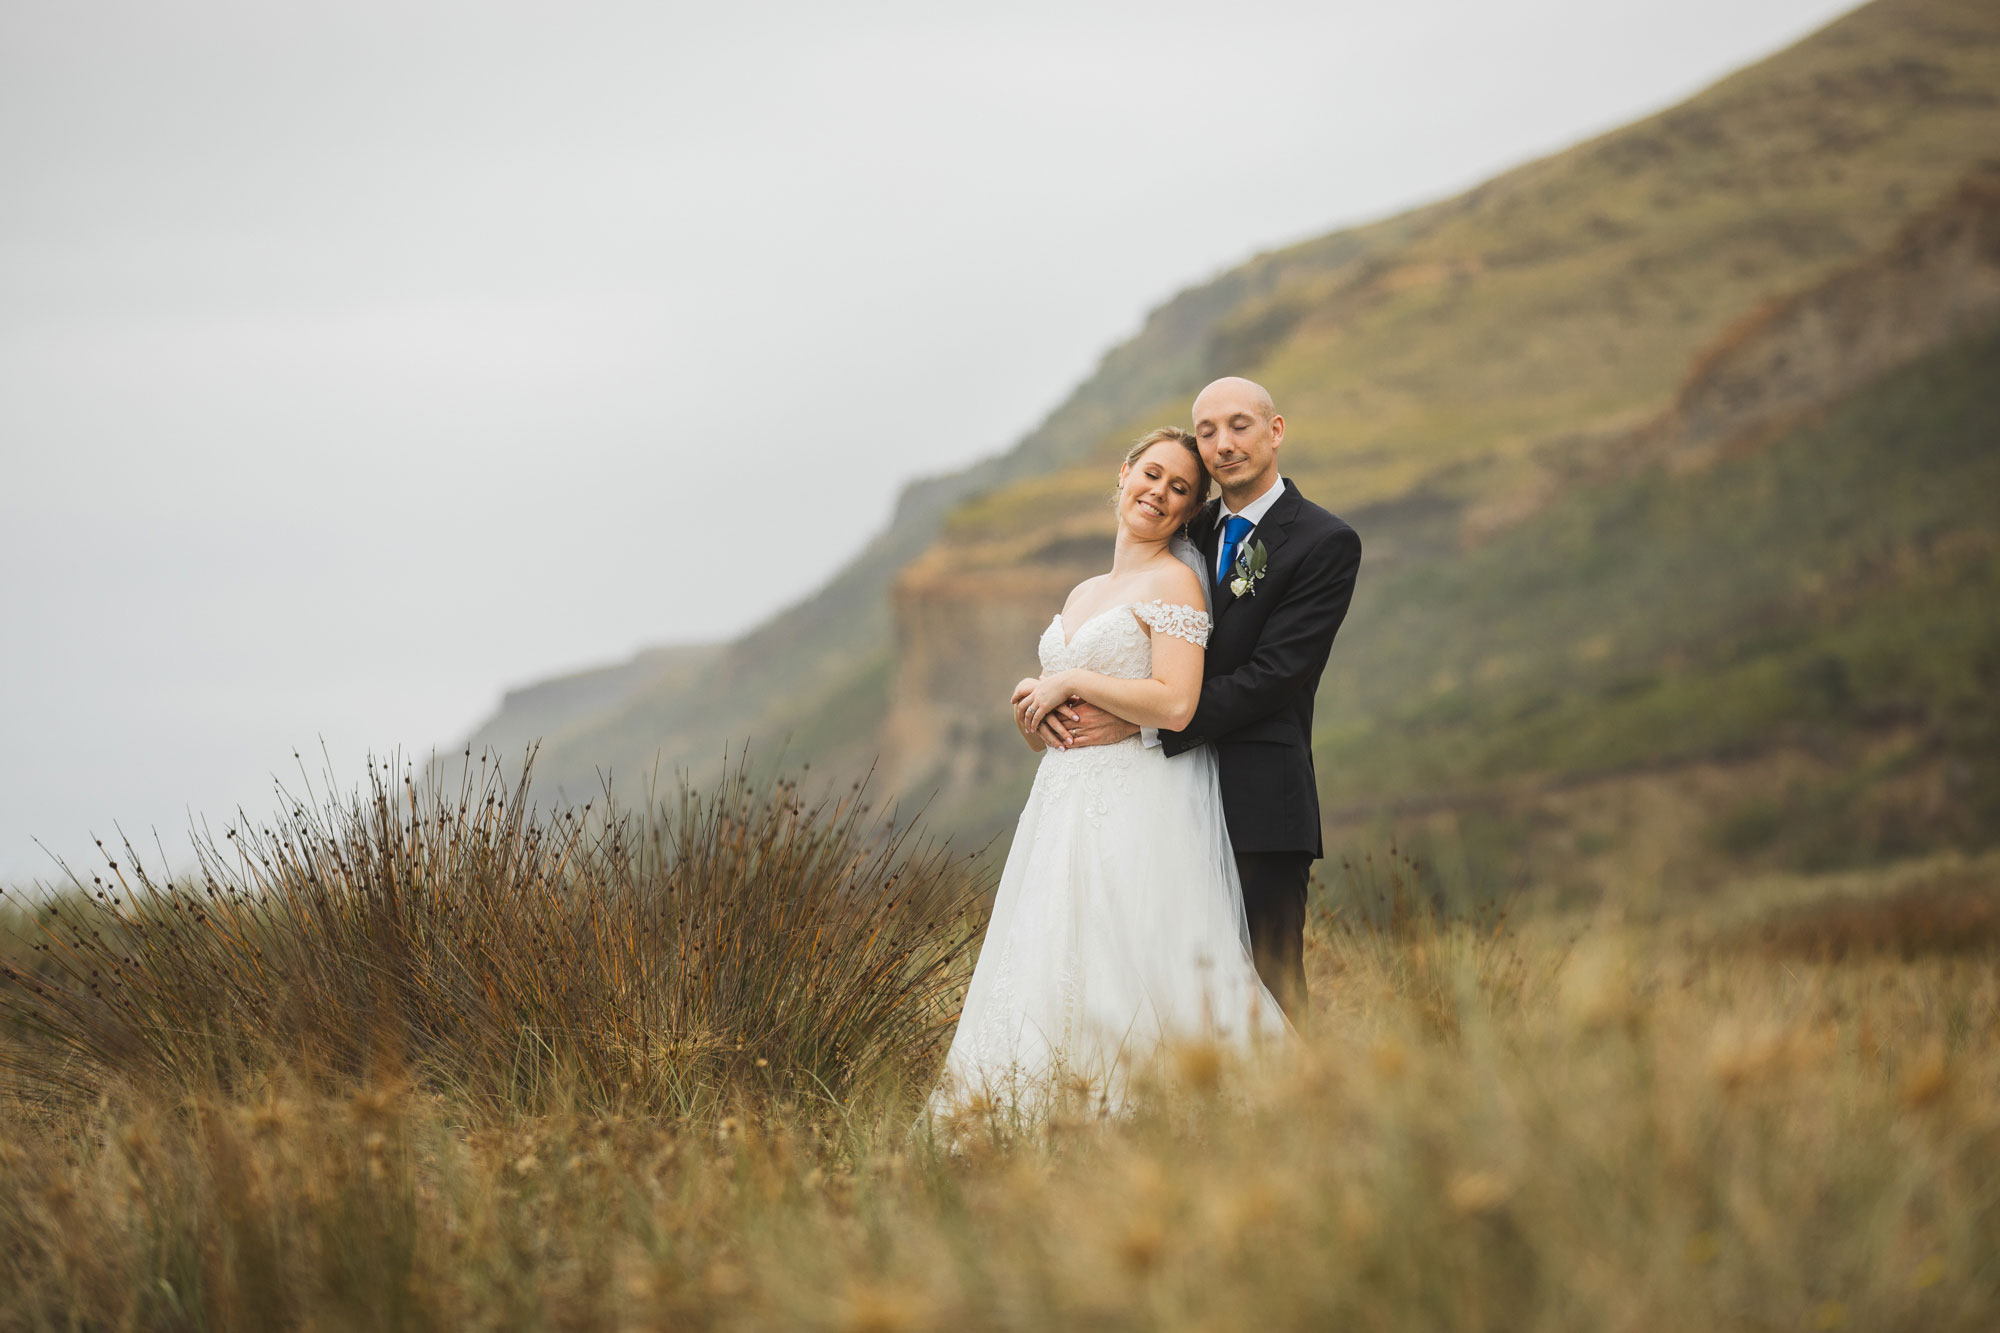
x: 1833, y: 590
x: 1445, y: 373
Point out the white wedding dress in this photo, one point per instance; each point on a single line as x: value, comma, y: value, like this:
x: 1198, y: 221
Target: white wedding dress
x: 1118, y: 924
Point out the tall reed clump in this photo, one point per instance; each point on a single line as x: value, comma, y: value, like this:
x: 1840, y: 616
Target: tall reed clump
x: 456, y: 936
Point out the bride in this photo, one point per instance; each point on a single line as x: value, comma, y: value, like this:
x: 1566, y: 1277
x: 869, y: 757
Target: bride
x: 1119, y: 922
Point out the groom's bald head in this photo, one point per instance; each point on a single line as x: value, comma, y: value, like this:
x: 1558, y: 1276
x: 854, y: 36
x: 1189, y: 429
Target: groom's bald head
x: 1233, y: 391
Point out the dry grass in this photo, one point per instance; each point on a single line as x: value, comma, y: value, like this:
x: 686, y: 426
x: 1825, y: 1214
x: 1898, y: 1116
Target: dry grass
x: 1562, y: 1127
x: 1956, y: 911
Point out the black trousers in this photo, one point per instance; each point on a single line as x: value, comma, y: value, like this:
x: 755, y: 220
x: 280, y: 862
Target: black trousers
x: 1274, y: 898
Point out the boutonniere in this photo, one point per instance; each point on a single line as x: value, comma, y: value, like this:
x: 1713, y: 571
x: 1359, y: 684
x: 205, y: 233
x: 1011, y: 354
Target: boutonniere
x: 1249, y: 568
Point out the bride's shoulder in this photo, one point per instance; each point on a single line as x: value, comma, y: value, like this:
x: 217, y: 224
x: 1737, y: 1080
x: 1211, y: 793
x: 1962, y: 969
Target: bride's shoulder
x: 1172, y: 599
x: 1174, y: 581
x: 1174, y: 604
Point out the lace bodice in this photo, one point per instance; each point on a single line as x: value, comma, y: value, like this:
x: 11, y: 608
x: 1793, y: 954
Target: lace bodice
x: 1113, y: 643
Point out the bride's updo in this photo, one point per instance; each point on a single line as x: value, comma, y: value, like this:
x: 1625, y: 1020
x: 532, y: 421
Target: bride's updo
x: 1187, y: 442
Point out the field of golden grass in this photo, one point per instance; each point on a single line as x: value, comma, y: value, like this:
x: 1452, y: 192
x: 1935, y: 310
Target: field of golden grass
x: 1777, y: 1110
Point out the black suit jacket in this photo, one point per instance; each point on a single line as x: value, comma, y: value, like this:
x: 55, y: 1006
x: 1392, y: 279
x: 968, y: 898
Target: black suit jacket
x: 1265, y: 655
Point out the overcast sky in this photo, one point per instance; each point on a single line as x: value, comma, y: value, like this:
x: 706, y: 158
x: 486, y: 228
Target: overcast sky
x: 360, y: 360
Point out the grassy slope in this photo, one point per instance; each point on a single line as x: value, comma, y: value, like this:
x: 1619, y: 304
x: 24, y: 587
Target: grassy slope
x: 1447, y: 383
x: 1425, y: 357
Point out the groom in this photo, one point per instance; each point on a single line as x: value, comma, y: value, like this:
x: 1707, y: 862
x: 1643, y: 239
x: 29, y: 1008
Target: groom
x: 1281, y: 573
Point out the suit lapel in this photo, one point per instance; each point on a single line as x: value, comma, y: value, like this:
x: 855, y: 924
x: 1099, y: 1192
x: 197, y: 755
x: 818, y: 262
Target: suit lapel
x: 1272, y: 532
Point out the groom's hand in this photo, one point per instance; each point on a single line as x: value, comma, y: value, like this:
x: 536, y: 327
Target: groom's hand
x: 1087, y: 724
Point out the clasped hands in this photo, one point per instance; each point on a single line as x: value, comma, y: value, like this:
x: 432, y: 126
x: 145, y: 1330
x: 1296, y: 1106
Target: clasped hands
x: 1048, y: 707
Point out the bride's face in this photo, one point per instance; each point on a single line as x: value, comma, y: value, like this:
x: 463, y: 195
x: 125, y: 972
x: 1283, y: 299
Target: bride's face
x: 1156, y: 490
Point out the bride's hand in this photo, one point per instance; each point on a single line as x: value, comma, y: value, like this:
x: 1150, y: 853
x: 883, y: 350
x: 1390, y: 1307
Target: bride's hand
x: 1048, y: 694
x: 1019, y: 703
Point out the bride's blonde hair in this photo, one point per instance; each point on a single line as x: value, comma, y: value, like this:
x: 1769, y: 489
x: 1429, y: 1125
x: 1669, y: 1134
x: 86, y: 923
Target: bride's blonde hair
x: 1186, y: 441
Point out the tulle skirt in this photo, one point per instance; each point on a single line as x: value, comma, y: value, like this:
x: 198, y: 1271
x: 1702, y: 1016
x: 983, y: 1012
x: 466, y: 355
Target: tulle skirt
x: 1118, y: 926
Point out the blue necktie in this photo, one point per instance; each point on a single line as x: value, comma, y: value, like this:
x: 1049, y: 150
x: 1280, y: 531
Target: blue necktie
x: 1233, y: 533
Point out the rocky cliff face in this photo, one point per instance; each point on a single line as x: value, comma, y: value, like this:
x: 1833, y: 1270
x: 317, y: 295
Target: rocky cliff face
x: 965, y: 633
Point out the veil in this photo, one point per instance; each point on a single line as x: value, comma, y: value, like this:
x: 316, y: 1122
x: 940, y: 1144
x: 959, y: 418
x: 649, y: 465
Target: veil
x: 1190, y: 556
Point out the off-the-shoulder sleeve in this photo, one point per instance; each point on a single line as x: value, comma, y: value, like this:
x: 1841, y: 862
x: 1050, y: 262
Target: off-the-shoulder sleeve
x: 1183, y: 622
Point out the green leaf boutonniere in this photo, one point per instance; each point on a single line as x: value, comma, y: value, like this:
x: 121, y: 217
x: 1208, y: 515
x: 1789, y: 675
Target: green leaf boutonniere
x: 1249, y: 568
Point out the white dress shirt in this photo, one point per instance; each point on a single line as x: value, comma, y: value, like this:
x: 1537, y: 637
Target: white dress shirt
x: 1254, y: 511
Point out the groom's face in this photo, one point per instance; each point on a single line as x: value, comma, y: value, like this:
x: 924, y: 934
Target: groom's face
x: 1239, y: 438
